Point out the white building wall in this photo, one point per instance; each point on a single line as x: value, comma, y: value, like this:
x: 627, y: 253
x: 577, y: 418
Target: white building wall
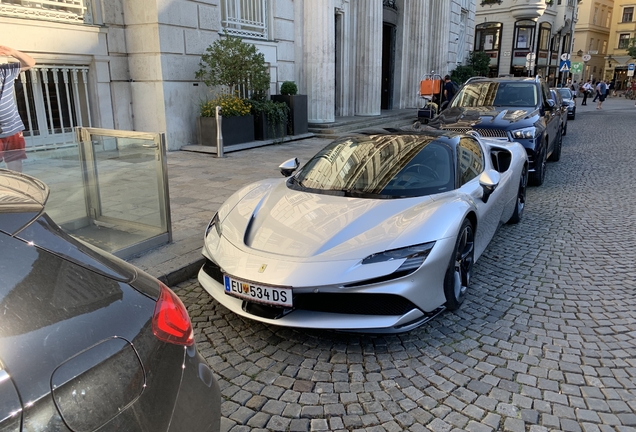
x: 143, y: 55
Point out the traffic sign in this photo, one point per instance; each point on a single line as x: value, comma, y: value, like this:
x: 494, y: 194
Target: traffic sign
x: 565, y: 56
x: 577, y: 67
x: 564, y: 66
x: 630, y: 69
x: 586, y: 57
x: 531, y: 56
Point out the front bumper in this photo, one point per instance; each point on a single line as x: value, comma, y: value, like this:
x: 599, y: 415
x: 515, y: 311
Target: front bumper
x: 391, y: 305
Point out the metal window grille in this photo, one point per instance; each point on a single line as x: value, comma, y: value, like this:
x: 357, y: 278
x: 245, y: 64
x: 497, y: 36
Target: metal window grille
x: 52, y: 100
x: 245, y: 18
x: 73, y: 11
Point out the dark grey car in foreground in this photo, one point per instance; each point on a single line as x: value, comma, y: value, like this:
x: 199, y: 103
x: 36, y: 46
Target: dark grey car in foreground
x: 88, y: 342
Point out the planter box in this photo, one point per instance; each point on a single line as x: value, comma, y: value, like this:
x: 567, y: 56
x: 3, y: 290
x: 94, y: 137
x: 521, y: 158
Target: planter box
x: 297, y: 112
x: 263, y: 131
x: 236, y: 130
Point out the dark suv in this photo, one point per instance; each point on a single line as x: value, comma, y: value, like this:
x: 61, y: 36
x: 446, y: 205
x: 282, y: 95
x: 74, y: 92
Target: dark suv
x: 513, y: 109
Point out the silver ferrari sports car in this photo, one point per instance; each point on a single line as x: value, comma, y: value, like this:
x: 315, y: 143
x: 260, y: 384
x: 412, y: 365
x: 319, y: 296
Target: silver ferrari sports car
x: 377, y: 233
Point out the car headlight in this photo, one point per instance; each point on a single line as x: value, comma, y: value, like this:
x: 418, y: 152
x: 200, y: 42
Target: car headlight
x: 214, y: 222
x: 525, y: 133
x: 415, y: 256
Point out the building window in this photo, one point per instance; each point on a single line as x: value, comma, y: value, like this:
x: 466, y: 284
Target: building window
x: 524, y: 34
x: 595, y: 15
x: 628, y: 14
x: 604, y: 47
x: 487, y: 36
x: 544, y: 36
x: 623, y: 41
x: 245, y: 18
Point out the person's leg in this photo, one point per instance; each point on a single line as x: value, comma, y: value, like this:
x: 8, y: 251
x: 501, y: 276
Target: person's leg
x: 15, y: 165
x: 14, y: 152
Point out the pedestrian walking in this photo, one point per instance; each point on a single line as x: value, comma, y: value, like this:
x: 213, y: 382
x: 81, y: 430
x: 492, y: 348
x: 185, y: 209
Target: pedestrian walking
x: 586, y: 90
x: 601, y: 89
x: 597, y: 91
x: 11, y: 138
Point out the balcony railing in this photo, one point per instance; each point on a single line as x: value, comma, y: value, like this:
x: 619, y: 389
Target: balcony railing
x: 245, y: 18
x: 69, y: 11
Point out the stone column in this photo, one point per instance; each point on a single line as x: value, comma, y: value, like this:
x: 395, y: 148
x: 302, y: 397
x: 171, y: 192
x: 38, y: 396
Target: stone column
x: 439, y: 24
x: 320, y: 63
x: 415, y: 49
x: 368, y: 16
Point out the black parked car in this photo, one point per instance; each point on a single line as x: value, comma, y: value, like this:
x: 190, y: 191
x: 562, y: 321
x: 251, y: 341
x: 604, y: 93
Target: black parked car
x: 562, y: 112
x: 513, y: 109
x: 568, y: 97
x: 87, y: 341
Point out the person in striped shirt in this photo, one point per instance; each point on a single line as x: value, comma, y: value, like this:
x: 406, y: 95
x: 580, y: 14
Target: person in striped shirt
x: 11, y: 126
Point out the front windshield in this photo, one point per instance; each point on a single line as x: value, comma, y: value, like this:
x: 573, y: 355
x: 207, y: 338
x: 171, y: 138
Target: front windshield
x: 380, y: 166
x: 490, y: 93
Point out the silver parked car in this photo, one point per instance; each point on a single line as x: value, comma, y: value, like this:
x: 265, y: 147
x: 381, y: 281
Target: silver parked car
x: 378, y: 232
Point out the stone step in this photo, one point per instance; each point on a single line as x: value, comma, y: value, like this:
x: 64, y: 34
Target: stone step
x: 340, y: 127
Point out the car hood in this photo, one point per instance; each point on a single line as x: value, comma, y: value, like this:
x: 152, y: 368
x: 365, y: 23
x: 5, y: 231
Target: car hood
x: 507, y: 118
x: 273, y: 219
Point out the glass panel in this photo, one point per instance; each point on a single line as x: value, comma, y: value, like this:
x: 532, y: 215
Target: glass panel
x: 109, y: 190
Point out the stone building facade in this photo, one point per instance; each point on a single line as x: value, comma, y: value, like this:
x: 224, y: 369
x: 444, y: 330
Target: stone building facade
x: 130, y: 64
x: 510, y: 30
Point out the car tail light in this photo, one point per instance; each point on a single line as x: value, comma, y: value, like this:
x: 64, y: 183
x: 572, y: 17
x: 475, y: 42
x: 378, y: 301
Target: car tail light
x: 171, y: 322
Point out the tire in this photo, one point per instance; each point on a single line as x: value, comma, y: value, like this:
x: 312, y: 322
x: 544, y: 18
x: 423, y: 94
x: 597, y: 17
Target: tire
x: 460, y: 267
x: 565, y: 129
x: 538, y: 176
x: 556, y: 153
x: 520, y: 204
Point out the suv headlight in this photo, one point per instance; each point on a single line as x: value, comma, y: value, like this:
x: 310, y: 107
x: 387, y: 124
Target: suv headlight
x: 525, y: 133
x: 415, y: 256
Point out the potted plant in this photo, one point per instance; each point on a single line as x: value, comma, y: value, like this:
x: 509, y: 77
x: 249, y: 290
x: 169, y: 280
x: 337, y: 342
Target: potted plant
x: 237, y: 122
x: 270, y: 119
x: 239, y: 70
x: 297, y: 107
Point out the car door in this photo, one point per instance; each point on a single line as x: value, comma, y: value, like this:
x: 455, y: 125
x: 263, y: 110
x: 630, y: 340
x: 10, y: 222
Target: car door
x: 470, y: 164
x: 551, y: 115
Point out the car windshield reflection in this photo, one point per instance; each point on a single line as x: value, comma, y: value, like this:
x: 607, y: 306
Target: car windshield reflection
x: 377, y: 166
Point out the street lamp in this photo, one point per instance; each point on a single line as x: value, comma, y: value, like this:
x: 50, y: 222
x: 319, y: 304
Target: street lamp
x: 579, y: 53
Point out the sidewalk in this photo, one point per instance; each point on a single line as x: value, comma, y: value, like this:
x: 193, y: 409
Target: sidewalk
x: 199, y: 183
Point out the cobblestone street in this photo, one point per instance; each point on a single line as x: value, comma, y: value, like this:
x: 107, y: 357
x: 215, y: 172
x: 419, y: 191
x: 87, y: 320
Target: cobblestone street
x: 545, y: 341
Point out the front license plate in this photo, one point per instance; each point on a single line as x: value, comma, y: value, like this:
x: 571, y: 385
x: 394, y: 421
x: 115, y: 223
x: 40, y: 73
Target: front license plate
x: 274, y: 296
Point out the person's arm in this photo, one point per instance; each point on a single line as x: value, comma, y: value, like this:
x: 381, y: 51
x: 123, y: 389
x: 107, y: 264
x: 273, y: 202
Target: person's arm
x: 26, y: 61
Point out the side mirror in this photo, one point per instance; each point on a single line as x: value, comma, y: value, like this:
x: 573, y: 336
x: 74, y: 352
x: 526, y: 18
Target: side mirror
x: 551, y: 104
x: 489, y: 180
x: 288, y: 167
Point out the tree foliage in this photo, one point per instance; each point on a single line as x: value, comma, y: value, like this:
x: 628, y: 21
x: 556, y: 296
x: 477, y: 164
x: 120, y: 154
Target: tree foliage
x: 235, y: 64
x: 631, y: 48
x: 478, y: 64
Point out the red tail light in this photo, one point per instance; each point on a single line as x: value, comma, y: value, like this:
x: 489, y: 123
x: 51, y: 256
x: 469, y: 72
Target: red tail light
x: 171, y: 322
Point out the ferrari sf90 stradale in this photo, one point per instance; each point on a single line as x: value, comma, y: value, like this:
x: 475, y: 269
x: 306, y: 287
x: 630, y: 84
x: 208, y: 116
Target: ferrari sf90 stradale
x: 378, y: 232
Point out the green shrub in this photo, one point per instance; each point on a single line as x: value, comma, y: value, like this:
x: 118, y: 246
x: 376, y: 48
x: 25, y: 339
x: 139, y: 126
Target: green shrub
x: 231, y: 106
x: 288, y: 88
x: 233, y: 63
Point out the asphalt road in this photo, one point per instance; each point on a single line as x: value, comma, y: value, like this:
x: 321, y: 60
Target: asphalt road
x: 545, y: 341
